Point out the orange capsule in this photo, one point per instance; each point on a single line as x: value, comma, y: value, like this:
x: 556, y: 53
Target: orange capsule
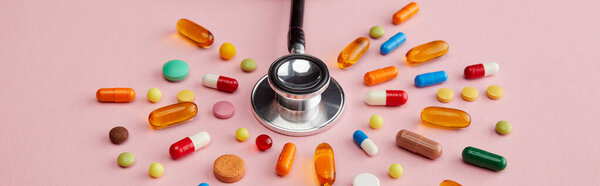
x: 198, y: 34
x: 406, y: 12
x: 449, y: 183
x: 426, y: 52
x: 381, y: 75
x: 445, y: 117
x: 353, y: 52
x: 172, y: 115
x: 286, y: 159
x: 325, y: 164
x: 116, y: 95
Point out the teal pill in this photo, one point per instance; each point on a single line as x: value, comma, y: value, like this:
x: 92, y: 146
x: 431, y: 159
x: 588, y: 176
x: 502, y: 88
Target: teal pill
x: 175, y: 70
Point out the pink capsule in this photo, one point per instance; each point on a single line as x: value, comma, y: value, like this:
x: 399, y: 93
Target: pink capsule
x: 386, y: 97
x: 221, y: 83
x: 481, y: 70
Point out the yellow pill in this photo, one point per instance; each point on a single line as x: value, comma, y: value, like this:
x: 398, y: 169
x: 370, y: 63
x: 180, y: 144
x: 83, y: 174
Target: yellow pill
x: 185, y: 96
x: 469, y: 94
x: 154, y: 95
x: 494, y: 92
x: 227, y: 51
x: 445, y: 95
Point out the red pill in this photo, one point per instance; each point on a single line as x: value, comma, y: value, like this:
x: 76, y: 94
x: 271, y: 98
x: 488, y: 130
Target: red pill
x: 263, y: 142
x: 189, y: 144
x: 221, y: 83
x: 386, y: 97
x: 115, y: 95
x: 481, y: 70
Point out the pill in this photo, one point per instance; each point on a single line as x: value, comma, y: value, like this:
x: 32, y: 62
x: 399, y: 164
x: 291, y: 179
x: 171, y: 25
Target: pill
x: 264, y: 142
x: 221, y: 83
x: 196, y: 33
x: 365, y: 179
x: 353, y: 52
x: 223, y: 109
x: 185, y: 96
x: 483, y: 159
x: 118, y: 135
x: 175, y: 70
x: 248, y: 65
x: 154, y: 95
x: 380, y: 75
x: 126, y: 159
x: 156, y: 170
x: 363, y: 141
x: 189, y: 144
x: 469, y: 94
x: 494, y: 92
x: 418, y: 144
x: 386, y: 97
x: 481, y: 70
x: 431, y: 78
x: 392, y: 43
x: 445, y: 95
x: 115, y: 95
x: 227, y: 51
x: 449, y: 183
x: 445, y: 117
x: 325, y: 164
x: 376, y: 32
x: 375, y: 121
x: 172, y: 115
x: 203, y: 184
x: 229, y: 168
x: 242, y: 134
x: 396, y: 170
x: 426, y: 52
x: 406, y: 12
x: 503, y: 127
x: 286, y: 159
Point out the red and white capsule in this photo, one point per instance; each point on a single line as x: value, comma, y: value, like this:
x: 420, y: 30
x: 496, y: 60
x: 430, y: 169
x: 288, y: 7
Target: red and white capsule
x: 481, y: 70
x: 189, y: 144
x: 386, y: 97
x: 221, y: 83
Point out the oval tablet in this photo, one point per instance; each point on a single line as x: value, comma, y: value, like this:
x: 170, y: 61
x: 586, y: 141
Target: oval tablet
x: 175, y: 70
x: 365, y: 179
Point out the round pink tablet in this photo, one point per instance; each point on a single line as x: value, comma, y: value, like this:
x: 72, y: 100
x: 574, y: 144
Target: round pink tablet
x: 223, y: 109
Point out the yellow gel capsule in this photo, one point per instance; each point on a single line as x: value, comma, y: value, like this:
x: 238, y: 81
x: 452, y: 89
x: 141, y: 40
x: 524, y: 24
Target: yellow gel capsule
x: 445, y: 117
x: 449, y: 183
x: 353, y: 52
x: 325, y: 164
x: 196, y: 33
x: 426, y: 52
x: 172, y: 115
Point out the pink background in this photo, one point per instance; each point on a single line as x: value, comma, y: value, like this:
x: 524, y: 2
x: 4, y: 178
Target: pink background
x: 54, y: 55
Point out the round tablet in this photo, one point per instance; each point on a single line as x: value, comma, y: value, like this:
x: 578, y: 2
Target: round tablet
x: 156, y: 170
x: 175, y: 70
x: 118, y: 135
x: 242, y: 134
x: 185, y: 96
x: 227, y: 51
x: 365, y: 179
x: 223, y: 109
x: 469, y: 94
x: 248, y: 65
x: 229, y: 168
x: 126, y: 159
x: 503, y: 127
x: 376, y: 32
x: 375, y: 121
x: 154, y: 95
x: 494, y: 92
x: 396, y: 170
x: 445, y: 95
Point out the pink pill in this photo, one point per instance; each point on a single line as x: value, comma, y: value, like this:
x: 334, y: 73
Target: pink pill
x: 223, y: 109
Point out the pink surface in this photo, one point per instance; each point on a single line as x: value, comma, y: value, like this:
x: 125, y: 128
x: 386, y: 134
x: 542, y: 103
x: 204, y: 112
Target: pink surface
x: 54, y: 55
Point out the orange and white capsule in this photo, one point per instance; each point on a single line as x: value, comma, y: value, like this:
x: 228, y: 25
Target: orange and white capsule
x: 221, y: 83
x: 115, y: 95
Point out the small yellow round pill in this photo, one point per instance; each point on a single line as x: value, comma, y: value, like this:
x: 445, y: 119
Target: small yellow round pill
x: 469, y: 94
x: 396, y: 170
x: 227, y: 51
x: 375, y: 121
x: 242, y: 134
x: 154, y: 95
x: 185, y: 96
x: 495, y: 92
x: 156, y: 170
x: 445, y: 95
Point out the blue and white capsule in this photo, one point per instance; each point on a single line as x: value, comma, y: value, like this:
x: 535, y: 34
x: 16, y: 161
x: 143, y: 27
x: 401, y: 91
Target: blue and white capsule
x: 363, y: 141
x: 392, y: 43
x: 431, y: 78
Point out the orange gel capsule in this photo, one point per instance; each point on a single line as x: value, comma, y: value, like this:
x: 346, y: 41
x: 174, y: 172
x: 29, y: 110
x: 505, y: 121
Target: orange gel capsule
x: 449, y: 183
x: 426, y: 52
x: 381, y: 75
x: 445, y: 117
x: 325, y: 164
x: 406, y: 12
x: 116, y: 95
x: 286, y: 159
x: 198, y: 34
x: 172, y: 115
x: 353, y: 52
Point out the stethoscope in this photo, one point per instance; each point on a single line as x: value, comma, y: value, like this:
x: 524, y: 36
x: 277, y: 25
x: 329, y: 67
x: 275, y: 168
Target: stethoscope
x: 297, y: 97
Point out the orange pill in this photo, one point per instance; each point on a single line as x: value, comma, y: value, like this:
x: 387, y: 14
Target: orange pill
x: 196, y: 33
x: 406, y: 12
x: 286, y: 159
x: 381, y: 75
x: 115, y: 95
x: 172, y: 115
x: 353, y: 52
x: 426, y: 52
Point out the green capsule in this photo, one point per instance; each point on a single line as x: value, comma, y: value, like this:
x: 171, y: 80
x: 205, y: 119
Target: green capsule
x: 483, y: 159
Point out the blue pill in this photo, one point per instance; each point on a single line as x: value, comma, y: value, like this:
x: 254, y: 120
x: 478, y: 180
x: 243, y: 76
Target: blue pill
x: 363, y: 141
x: 392, y: 43
x: 203, y: 184
x: 431, y: 78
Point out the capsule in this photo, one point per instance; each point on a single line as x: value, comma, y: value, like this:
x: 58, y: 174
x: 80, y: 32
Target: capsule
x: 406, y: 12
x: 222, y: 83
x: 386, y: 97
x: 481, y: 70
x: 431, y: 78
x: 380, y: 75
x: 353, y: 52
x: 392, y: 43
x: 363, y: 141
x: 286, y: 159
x: 189, y: 144
x: 418, y: 144
x: 196, y: 33
x: 449, y: 183
x: 115, y: 95
x: 425, y: 52
x: 483, y: 159
x: 172, y: 115
x: 325, y: 164
x: 445, y: 117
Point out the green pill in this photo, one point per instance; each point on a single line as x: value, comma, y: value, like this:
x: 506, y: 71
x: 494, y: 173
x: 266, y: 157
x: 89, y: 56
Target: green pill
x: 376, y: 32
x: 175, y: 70
x: 126, y: 159
x: 248, y: 65
x: 503, y: 127
x: 483, y: 159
